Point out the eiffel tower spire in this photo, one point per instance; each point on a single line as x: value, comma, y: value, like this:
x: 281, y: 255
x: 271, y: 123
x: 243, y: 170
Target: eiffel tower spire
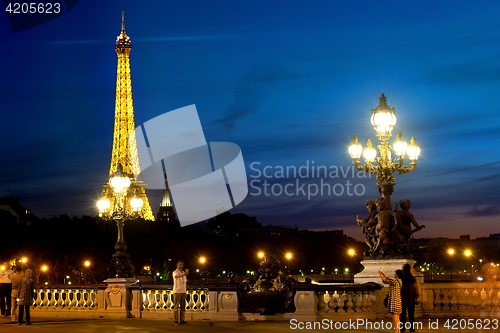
x: 167, y: 212
x: 124, y: 140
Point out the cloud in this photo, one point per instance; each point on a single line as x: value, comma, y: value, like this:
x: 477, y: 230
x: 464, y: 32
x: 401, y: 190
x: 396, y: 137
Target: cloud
x: 247, y: 93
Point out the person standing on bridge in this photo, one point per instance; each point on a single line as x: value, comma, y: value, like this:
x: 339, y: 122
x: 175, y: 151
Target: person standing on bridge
x: 26, y: 297
x: 180, y: 289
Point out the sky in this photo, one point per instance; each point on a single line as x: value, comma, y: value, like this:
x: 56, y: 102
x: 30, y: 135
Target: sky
x: 290, y: 82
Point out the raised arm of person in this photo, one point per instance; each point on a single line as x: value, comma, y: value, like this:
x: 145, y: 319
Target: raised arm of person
x: 186, y: 272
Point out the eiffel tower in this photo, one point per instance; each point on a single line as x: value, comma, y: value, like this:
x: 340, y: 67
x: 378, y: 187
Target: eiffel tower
x: 124, y: 140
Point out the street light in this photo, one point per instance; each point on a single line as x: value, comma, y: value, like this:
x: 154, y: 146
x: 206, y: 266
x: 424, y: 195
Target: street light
x: 202, y: 262
x: 87, y: 263
x: 24, y: 260
x: 451, y: 252
x: 260, y: 255
x: 121, y: 184
x: 289, y: 257
x: 383, y: 120
x: 468, y: 253
x: 351, y: 252
x: 44, y: 268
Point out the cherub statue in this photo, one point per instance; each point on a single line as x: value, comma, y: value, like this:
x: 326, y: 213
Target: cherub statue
x: 389, y: 241
x: 405, y: 220
x: 369, y: 229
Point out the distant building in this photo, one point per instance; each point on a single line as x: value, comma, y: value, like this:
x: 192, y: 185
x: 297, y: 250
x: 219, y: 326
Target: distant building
x: 13, y: 206
x: 481, y: 246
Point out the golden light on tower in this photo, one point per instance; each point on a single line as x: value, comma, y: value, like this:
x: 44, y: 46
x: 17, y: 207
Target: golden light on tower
x: 124, y: 151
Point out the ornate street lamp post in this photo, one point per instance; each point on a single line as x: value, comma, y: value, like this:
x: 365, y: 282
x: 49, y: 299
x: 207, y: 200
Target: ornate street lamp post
x: 383, y: 119
x: 121, y: 184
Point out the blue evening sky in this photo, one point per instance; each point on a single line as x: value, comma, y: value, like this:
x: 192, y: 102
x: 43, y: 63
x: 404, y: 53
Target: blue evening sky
x: 290, y: 82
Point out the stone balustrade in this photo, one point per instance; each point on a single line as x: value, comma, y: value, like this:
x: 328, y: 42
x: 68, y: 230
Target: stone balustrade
x: 66, y: 301
x: 337, y: 302
x: 467, y: 299
x: 156, y: 301
x: 313, y: 302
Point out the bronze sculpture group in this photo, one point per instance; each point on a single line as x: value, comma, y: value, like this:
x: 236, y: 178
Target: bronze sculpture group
x: 388, y: 232
x: 271, y: 293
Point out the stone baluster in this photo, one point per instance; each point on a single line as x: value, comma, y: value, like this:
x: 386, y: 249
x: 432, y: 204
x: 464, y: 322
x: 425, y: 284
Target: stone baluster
x: 485, y: 299
x: 465, y: 300
x: 369, y: 301
x: 198, y: 300
x: 357, y: 301
x: 145, y: 300
x: 326, y: 298
x: 74, y: 300
x: 494, y: 299
x: 161, y: 303
x: 86, y: 296
x: 81, y: 302
x: 342, y: 301
x: 476, y: 299
x: 332, y: 303
x: 364, y: 306
x: 155, y: 304
x: 60, y: 301
x: 38, y: 299
x: 168, y: 304
x: 461, y: 299
x: 45, y: 299
x: 191, y: 300
x: 93, y: 296
x: 349, y: 304
x: 437, y: 299
x: 452, y: 294
x: 321, y: 302
x: 206, y: 303
x: 67, y: 301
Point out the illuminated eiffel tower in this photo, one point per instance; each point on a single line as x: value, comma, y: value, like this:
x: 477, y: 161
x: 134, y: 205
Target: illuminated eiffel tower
x: 124, y: 141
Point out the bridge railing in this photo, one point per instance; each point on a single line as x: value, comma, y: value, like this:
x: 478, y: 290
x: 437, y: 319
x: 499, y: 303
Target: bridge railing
x: 332, y: 301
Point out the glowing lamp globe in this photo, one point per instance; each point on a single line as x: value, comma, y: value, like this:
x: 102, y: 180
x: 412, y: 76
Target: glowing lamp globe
x: 103, y: 205
x: 369, y: 153
x: 355, y: 149
x: 383, y: 119
x: 136, y: 204
x: 119, y: 182
x: 400, y: 146
x: 413, y: 150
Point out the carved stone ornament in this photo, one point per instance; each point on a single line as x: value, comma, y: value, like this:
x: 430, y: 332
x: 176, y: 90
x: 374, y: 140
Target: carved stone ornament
x: 228, y: 296
x: 115, y: 289
x: 304, y: 295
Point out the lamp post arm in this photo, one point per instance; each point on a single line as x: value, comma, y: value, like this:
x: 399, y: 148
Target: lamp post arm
x: 407, y: 169
x: 365, y: 167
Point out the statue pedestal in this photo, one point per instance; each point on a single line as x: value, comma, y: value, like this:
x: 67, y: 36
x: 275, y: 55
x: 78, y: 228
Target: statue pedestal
x: 117, y: 298
x: 389, y: 266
